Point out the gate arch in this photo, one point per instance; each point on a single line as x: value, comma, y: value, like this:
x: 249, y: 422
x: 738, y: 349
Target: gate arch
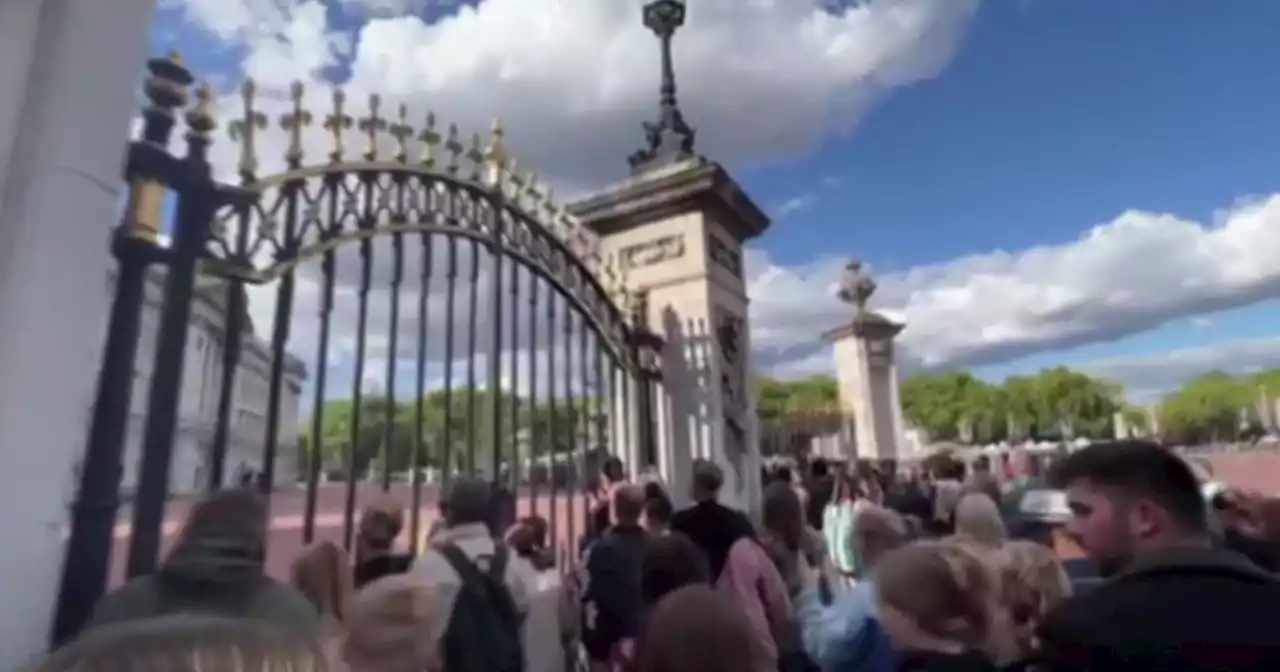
x: 504, y: 278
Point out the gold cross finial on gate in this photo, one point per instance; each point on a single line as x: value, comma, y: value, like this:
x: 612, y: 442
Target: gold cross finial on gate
x: 495, y: 154
x: 293, y: 123
x: 475, y: 156
x: 199, y: 118
x: 402, y: 131
x: 371, y: 126
x: 245, y: 129
x: 430, y: 139
x: 336, y: 122
x: 453, y: 147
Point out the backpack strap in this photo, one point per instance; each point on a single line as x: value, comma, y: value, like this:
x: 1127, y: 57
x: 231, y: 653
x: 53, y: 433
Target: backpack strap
x: 498, y: 563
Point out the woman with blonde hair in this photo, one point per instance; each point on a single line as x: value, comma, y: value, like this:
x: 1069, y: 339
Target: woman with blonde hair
x: 699, y: 629
x: 389, y: 624
x: 1032, y: 582
x: 978, y: 520
x: 937, y: 602
x: 188, y: 643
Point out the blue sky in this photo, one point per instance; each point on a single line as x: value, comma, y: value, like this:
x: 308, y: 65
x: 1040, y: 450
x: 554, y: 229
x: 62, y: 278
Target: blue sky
x: 1048, y: 118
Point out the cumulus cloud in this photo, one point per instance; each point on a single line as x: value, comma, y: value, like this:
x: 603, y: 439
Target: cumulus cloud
x: 1126, y: 276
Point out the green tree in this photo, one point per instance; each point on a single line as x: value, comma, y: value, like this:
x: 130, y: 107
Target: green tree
x: 1206, y: 408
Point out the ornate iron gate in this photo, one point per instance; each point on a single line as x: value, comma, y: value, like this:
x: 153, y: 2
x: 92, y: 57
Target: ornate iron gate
x: 521, y: 364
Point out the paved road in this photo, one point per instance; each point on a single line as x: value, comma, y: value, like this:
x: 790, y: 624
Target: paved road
x: 288, y: 506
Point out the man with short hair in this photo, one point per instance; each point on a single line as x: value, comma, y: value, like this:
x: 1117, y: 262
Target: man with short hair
x: 1172, y: 600
x: 714, y: 527
x: 477, y: 580
x: 849, y: 637
x: 612, y: 599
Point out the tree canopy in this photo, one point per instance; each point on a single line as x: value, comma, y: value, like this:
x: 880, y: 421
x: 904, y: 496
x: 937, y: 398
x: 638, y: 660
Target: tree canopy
x: 1054, y: 404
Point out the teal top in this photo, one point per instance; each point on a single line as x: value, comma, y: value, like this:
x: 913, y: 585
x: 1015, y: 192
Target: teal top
x: 837, y: 528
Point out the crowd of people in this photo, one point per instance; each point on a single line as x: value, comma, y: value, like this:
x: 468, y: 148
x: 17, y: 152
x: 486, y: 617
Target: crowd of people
x: 845, y: 569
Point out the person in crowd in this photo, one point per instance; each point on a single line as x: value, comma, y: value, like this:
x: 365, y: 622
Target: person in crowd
x: 1174, y: 601
x: 908, y: 497
x: 981, y: 479
x: 322, y: 573
x: 380, y: 526
x: 188, y: 643
x: 612, y: 600
x: 837, y: 527
x: 1238, y: 524
x: 1032, y: 583
x: 850, y: 636
x: 545, y: 635
x: 798, y: 558
x: 658, y: 509
x: 947, y: 490
x: 937, y: 602
x: 385, y: 623
x: 698, y: 629
x: 671, y: 562
x: 739, y: 564
x: 978, y: 519
x: 820, y: 487
x: 215, y: 567
x: 612, y: 473
x: 528, y: 538
x: 482, y: 587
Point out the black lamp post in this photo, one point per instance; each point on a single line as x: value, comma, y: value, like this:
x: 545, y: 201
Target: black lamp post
x: 670, y: 139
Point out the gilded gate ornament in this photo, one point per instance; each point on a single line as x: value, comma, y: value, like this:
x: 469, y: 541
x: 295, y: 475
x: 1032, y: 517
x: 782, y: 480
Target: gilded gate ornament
x: 245, y: 129
x: 293, y: 123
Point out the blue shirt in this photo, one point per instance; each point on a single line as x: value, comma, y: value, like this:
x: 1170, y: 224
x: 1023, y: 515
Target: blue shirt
x: 852, y: 640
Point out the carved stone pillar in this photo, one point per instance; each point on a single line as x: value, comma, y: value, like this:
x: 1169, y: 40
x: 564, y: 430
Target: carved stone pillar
x: 676, y: 234
x: 867, y: 373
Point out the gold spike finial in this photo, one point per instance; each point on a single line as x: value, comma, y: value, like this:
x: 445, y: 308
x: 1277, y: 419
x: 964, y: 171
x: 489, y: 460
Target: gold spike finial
x: 430, y: 139
x: 401, y: 131
x: 245, y: 129
x: 199, y: 118
x: 293, y: 123
x: 336, y: 122
x: 371, y: 126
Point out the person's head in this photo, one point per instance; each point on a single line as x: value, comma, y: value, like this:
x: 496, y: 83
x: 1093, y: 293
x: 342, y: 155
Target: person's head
x: 784, y: 474
x: 188, y: 643
x: 847, y: 487
x: 670, y: 562
x: 982, y: 464
x: 782, y: 514
x: 613, y: 470
x: 819, y: 468
x: 380, y: 525
x: 707, y: 480
x: 978, y: 518
x: 877, y: 531
x: 937, y: 596
x: 627, y: 504
x: 385, y: 626
x: 467, y: 502
x: 657, y: 511
x: 697, y: 629
x: 1128, y: 497
x: 1032, y: 582
x: 227, y: 518
x: 323, y: 574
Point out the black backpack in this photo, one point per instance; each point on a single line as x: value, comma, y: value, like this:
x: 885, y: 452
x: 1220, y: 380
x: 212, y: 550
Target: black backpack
x: 484, y: 627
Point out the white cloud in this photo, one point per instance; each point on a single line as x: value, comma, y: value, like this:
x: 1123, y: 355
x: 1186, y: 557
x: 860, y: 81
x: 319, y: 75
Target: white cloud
x: 1149, y: 376
x: 1127, y: 276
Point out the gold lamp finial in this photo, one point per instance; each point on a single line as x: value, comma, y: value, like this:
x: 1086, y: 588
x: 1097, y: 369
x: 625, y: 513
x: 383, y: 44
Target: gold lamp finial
x: 293, y: 122
x: 245, y: 129
x: 336, y: 122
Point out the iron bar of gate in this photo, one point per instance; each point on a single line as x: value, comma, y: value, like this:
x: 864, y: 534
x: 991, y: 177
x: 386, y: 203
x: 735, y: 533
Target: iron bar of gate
x: 357, y: 382
x: 393, y: 342
x: 450, y: 308
x: 503, y: 514
x: 473, y: 315
x: 328, y: 269
x: 587, y: 451
x: 199, y: 197
x: 148, y: 169
x: 232, y: 345
x: 514, y: 466
x: 420, y: 390
x: 612, y: 436
x: 602, y: 440
x: 553, y: 421
x: 280, y: 337
x: 572, y: 468
x: 646, y: 346
x: 536, y: 473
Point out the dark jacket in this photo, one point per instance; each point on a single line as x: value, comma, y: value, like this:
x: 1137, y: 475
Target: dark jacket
x: 215, y: 577
x: 612, y: 600
x: 971, y: 661
x: 1179, y: 609
x: 715, y: 528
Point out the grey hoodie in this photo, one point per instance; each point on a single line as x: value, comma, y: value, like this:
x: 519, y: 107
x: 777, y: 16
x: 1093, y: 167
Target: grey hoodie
x: 215, y: 576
